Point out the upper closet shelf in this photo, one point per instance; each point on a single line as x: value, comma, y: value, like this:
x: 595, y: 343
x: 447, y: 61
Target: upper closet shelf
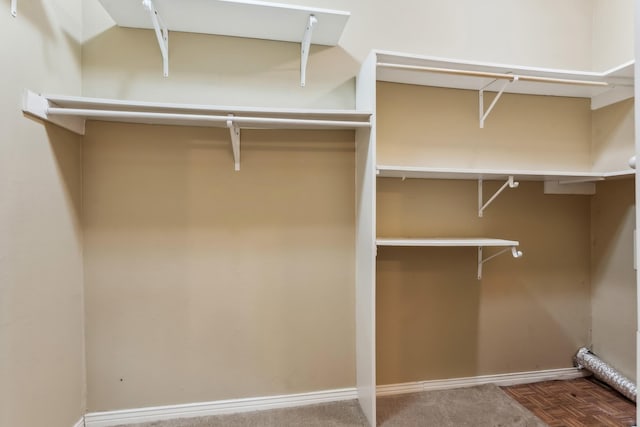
x: 71, y: 113
x: 237, y: 18
x: 253, y: 19
x: 603, y: 88
x: 562, y: 177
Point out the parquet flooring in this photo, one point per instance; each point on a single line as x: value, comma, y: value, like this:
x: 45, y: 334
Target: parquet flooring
x: 575, y: 403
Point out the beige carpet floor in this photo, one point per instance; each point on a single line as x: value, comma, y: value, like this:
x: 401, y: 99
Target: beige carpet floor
x: 481, y: 406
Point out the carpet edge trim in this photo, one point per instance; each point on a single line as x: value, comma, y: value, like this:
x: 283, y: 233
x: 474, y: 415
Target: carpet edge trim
x: 498, y: 379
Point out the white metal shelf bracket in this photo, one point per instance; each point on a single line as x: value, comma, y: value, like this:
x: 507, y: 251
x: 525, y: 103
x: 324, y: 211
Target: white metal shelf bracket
x: 511, y: 183
x: 14, y: 8
x: 484, y: 114
x: 234, y: 130
x: 162, y: 34
x: 304, y: 48
x: 514, y: 252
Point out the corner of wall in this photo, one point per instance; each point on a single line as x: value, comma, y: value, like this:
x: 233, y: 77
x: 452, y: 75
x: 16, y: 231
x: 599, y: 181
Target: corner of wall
x: 612, y: 33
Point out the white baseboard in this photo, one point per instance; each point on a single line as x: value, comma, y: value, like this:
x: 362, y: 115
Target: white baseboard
x: 80, y: 423
x: 190, y: 410
x: 500, y: 379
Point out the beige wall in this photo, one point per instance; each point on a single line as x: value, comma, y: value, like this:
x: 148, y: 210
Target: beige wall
x: 612, y: 141
x: 613, y: 284
x: 41, y: 318
x: 614, y: 320
x: 613, y: 293
x: 197, y: 341
x: 420, y: 126
x: 425, y: 126
x: 436, y: 320
x: 125, y: 63
x: 542, y: 33
x: 612, y: 33
x: 154, y: 256
x: 203, y: 283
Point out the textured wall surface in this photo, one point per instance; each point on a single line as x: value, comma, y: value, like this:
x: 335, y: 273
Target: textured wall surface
x: 41, y: 315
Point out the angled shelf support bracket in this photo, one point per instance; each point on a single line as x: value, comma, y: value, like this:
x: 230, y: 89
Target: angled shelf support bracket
x: 304, y: 48
x: 39, y: 106
x: 14, y: 8
x: 514, y: 252
x: 234, y: 130
x: 484, y: 114
x: 511, y: 183
x: 162, y: 34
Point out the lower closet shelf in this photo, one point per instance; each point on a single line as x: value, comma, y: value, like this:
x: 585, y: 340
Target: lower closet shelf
x: 445, y: 241
x: 476, y: 242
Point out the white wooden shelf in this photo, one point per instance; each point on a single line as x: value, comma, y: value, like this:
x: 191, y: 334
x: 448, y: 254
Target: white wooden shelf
x: 253, y: 19
x: 236, y: 18
x: 474, y: 242
x: 497, y: 175
x: 603, y: 88
x: 72, y: 112
x: 446, y: 242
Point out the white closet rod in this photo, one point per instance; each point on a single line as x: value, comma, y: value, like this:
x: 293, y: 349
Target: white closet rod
x: 491, y: 75
x: 203, y: 118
